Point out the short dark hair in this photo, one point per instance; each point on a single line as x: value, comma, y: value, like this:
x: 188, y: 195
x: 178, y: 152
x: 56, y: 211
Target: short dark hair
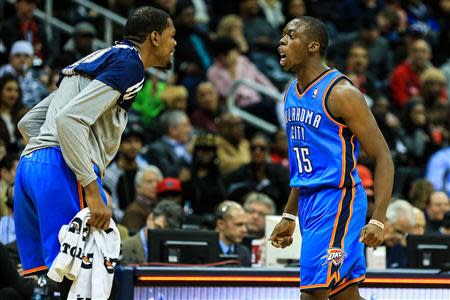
x: 222, y: 45
x: 143, y: 21
x: 171, y: 211
x: 316, y: 31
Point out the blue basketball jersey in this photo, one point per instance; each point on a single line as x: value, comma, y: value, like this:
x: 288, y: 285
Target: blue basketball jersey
x: 119, y: 66
x: 322, y: 150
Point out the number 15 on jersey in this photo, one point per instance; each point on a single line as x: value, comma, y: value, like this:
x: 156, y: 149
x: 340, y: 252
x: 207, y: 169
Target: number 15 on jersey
x: 303, y: 161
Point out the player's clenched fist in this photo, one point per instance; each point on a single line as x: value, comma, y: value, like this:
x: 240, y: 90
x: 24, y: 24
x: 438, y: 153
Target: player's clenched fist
x: 281, y: 236
x: 372, y: 235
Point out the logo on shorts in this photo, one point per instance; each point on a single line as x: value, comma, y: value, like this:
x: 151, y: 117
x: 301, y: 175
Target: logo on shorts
x: 335, y: 256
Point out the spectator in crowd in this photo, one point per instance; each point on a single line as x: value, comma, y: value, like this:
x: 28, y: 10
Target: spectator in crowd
x: 362, y: 78
x: 437, y: 205
x: 11, y: 110
x: 420, y: 192
x: 233, y: 149
x: 82, y: 43
x: 24, y: 26
x: 192, y: 57
x: 419, y: 223
x: 231, y: 223
x: 136, y: 213
x: 148, y: 103
x: 20, y: 63
x: 170, y: 189
x: 123, y: 231
x: 231, y: 26
x: 165, y: 215
x: 206, y: 188
x: 7, y: 227
x: 8, y: 168
x: 390, y: 24
x: 258, y: 206
x: 279, y: 149
x: 445, y: 229
x: 120, y: 174
x: 435, y: 98
x: 175, y: 98
x: 293, y: 9
x: 414, y: 146
x: 170, y: 153
x: 405, y: 79
x: 230, y: 66
x: 433, y: 87
x: 273, y: 12
x: 445, y: 68
x: 438, y: 170
x: 13, y: 286
x: 380, y: 56
x: 400, y: 221
x: 259, y: 175
x: 205, y: 116
x: 202, y: 14
x: 420, y: 15
x: 263, y: 40
x: 388, y: 122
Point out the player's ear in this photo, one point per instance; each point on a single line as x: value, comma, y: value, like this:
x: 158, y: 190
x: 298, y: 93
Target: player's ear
x: 155, y: 38
x: 313, y: 47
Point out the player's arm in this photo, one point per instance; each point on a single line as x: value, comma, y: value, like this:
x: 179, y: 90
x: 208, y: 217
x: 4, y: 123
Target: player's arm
x: 30, y: 124
x: 73, y: 124
x: 348, y: 103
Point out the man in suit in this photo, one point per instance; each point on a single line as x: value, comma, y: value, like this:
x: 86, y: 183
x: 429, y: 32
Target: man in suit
x: 170, y: 153
x: 231, y: 223
x: 166, y: 215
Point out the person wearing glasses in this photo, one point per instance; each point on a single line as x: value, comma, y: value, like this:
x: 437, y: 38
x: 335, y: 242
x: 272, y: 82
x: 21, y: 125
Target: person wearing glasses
x: 259, y: 175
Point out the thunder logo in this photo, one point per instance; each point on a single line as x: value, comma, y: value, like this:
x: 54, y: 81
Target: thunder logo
x: 335, y: 256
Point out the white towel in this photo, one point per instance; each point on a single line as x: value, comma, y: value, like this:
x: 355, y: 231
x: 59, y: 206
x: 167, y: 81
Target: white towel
x: 92, y: 267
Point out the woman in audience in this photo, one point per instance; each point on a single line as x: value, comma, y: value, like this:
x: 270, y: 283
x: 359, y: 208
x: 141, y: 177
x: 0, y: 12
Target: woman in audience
x: 11, y: 110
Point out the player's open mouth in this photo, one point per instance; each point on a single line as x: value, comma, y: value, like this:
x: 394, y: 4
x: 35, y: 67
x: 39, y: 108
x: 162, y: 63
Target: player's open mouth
x: 282, y: 59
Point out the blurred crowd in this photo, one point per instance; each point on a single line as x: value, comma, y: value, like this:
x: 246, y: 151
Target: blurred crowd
x: 183, y: 154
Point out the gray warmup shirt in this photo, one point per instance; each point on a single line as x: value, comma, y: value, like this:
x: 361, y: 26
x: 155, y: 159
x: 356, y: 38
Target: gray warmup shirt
x: 86, y: 117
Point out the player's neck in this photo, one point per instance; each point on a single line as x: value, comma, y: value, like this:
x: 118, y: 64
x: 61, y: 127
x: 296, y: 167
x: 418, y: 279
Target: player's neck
x: 310, y: 72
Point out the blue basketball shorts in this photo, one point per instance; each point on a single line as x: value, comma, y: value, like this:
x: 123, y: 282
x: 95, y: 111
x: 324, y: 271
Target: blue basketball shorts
x: 47, y: 195
x: 331, y: 220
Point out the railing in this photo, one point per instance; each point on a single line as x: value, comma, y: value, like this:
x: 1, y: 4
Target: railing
x: 109, y: 16
x: 49, y: 19
x: 255, y: 121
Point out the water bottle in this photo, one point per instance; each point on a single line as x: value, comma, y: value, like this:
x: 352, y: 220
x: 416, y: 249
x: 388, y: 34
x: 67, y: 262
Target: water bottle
x: 40, y: 292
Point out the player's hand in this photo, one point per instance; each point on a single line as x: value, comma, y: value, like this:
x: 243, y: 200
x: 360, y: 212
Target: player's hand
x: 372, y: 235
x: 100, y: 214
x: 281, y: 236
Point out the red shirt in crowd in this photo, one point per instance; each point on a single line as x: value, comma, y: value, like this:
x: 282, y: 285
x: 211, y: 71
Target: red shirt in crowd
x: 405, y: 83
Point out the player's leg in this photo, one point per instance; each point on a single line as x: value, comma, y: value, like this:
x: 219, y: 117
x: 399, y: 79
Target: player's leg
x: 353, y: 269
x: 27, y: 222
x: 54, y: 189
x: 351, y: 292
x: 317, y: 216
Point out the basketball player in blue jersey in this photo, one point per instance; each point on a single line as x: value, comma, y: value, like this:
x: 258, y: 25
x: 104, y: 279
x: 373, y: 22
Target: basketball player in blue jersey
x: 75, y: 132
x: 326, y: 121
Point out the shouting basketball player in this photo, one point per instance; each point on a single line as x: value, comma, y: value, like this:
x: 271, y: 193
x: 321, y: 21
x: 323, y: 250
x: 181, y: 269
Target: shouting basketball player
x: 327, y: 119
